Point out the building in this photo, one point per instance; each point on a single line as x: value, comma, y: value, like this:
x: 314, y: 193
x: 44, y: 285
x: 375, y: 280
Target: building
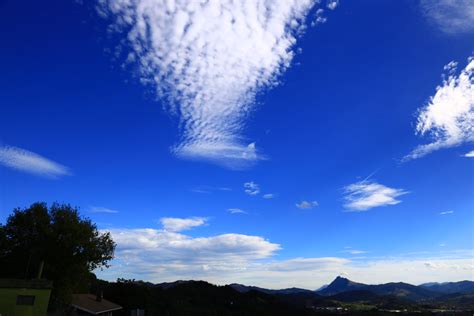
x: 90, y: 304
x: 24, y: 297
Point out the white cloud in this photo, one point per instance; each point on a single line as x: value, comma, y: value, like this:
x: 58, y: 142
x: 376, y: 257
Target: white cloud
x: 172, y: 224
x: 352, y: 251
x: 469, y: 154
x: 98, y: 209
x: 446, y: 213
x: 268, y: 196
x: 158, y: 256
x: 319, y: 17
x: 236, y: 211
x: 305, y: 205
x: 205, y: 189
x: 332, y: 4
x: 451, y: 16
x: 251, y: 188
x: 166, y: 254
x: 209, y: 59
x: 306, y: 264
x: 27, y: 161
x: 364, y: 195
x: 449, y: 116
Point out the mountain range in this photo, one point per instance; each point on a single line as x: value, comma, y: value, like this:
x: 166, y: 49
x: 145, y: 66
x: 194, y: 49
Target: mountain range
x: 400, y: 290
x: 388, y: 296
x: 342, y: 296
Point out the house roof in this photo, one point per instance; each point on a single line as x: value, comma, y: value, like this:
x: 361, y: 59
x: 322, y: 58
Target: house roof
x: 88, y: 303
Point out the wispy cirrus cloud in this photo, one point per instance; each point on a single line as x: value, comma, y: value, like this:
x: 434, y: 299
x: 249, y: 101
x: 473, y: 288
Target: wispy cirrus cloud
x: 173, y: 224
x: 306, y: 205
x: 446, y: 212
x: 353, y: 251
x: 27, y: 161
x: 268, y: 196
x: 449, y: 116
x: 209, y: 59
x: 236, y: 211
x: 205, y: 189
x: 99, y: 209
x: 451, y: 16
x: 366, y: 194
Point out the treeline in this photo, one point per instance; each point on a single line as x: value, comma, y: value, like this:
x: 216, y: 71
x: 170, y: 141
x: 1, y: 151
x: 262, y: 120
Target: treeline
x: 54, y: 243
x: 193, y: 298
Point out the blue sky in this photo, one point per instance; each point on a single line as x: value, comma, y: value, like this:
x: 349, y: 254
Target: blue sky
x: 322, y: 142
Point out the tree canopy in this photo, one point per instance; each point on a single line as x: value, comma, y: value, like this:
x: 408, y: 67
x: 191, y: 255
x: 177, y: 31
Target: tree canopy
x: 70, y: 247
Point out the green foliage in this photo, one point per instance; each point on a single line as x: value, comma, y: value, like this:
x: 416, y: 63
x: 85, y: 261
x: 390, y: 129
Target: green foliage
x: 71, y: 247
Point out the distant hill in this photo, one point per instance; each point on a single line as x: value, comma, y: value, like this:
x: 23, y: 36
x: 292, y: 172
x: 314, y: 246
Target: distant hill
x: 403, y: 291
x: 451, y: 287
x: 400, y: 290
x: 245, y: 288
x: 340, y: 285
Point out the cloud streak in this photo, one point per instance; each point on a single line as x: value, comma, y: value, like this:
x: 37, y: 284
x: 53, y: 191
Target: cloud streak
x: 449, y: 116
x: 451, y: 16
x: 29, y: 162
x: 446, y: 212
x: 236, y: 211
x: 99, y: 209
x: 209, y: 59
x: 364, y: 195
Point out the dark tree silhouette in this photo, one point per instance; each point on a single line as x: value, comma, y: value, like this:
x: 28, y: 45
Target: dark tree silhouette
x: 70, y: 247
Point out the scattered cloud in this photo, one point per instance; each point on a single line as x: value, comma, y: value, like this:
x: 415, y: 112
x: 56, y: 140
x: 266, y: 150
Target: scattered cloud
x: 251, y: 188
x: 451, y: 16
x: 332, y: 4
x: 449, y: 116
x: 160, y: 256
x: 364, y: 195
x: 306, y: 264
x: 205, y: 189
x: 169, y: 254
x: 224, y: 189
x: 200, y: 190
x: 27, y: 161
x: 306, y: 205
x: 209, y: 59
x: 268, y: 196
x: 98, y: 209
x: 352, y: 251
x: 446, y: 212
x: 172, y: 224
x: 469, y: 154
x: 236, y: 211
x: 319, y: 17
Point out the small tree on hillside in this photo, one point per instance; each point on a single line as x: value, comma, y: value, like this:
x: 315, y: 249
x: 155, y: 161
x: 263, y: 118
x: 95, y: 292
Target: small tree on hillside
x: 70, y: 247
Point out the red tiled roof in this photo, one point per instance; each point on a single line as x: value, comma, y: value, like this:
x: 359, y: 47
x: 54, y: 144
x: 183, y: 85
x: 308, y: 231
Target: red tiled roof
x: 88, y: 303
